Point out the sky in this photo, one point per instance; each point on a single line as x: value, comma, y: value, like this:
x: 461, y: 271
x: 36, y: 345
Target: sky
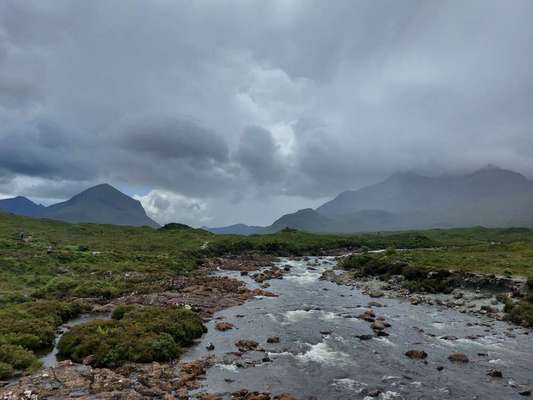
x: 217, y: 112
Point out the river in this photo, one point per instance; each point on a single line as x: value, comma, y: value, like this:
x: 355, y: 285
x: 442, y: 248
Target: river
x: 319, y: 355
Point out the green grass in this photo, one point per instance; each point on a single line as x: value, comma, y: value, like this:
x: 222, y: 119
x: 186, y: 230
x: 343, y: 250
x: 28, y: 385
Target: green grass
x: 95, y: 263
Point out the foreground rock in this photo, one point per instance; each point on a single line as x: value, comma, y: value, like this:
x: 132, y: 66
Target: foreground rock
x: 133, y: 381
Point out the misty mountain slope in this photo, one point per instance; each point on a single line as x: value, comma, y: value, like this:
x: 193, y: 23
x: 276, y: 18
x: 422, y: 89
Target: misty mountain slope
x: 409, y: 192
x: 491, y: 197
x: 236, y: 229
x: 311, y: 221
x: 101, y: 204
x: 305, y: 220
x: 21, y: 206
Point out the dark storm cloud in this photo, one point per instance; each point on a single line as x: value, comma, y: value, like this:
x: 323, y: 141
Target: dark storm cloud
x: 165, y: 137
x: 258, y: 154
x: 160, y: 94
x: 42, y: 149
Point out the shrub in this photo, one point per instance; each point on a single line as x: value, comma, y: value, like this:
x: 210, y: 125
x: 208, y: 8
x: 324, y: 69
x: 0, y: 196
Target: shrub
x: 520, y: 313
x: 6, y: 370
x: 32, y: 325
x: 14, y: 358
x: 135, y: 334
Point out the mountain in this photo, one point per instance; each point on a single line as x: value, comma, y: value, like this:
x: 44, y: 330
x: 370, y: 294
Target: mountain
x: 305, y: 220
x: 101, y: 204
x: 490, y: 197
x: 21, y: 206
x: 312, y: 221
x: 236, y: 229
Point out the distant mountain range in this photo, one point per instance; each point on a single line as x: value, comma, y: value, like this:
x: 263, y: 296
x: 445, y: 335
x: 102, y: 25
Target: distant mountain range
x: 101, y: 204
x: 236, y: 229
x: 489, y: 197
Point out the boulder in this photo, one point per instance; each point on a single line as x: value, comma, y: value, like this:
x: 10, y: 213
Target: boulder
x: 495, y: 373
x: 416, y: 354
x: 224, y: 326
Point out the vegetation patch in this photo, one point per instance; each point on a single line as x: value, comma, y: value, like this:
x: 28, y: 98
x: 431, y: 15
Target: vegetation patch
x: 416, y: 279
x: 33, y: 325
x: 134, y: 334
x: 521, y: 312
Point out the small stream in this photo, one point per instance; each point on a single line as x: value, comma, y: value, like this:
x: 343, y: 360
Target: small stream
x: 50, y: 359
x: 320, y: 356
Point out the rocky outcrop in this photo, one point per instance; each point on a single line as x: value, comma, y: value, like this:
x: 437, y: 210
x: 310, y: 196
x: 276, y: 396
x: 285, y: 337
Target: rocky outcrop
x: 133, y: 381
x: 204, y: 294
x: 247, y: 262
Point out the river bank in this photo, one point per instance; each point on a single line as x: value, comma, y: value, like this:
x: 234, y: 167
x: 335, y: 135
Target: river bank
x: 308, y: 338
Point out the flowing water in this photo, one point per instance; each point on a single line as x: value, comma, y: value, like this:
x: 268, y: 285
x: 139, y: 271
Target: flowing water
x: 320, y: 357
x: 50, y: 359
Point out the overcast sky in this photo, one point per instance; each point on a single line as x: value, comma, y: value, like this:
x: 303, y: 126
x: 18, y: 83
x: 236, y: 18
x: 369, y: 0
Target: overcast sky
x: 216, y: 112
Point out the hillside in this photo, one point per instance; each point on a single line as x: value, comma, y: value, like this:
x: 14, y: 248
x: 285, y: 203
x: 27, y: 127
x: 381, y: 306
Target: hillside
x: 101, y: 204
x: 491, y: 197
x: 21, y: 206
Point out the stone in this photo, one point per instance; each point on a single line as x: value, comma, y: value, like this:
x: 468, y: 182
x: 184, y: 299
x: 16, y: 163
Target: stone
x: 416, y: 354
x: 458, y: 357
x: 224, y: 326
x: 246, y: 345
x: 495, y: 373
x: 377, y: 325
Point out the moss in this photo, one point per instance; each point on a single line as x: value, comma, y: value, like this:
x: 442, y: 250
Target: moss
x: 135, y: 334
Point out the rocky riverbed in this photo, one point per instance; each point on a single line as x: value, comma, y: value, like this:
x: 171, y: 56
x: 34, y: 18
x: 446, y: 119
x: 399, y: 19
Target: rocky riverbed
x: 310, y: 338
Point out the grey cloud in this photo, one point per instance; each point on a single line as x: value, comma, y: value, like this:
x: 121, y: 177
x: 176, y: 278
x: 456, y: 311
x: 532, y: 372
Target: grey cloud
x: 258, y: 154
x: 42, y: 149
x: 173, y: 138
x: 160, y: 95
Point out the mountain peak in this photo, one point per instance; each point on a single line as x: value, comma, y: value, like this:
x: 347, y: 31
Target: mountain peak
x: 101, y: 204
x: 21, y: 205
x: 494, y: 172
